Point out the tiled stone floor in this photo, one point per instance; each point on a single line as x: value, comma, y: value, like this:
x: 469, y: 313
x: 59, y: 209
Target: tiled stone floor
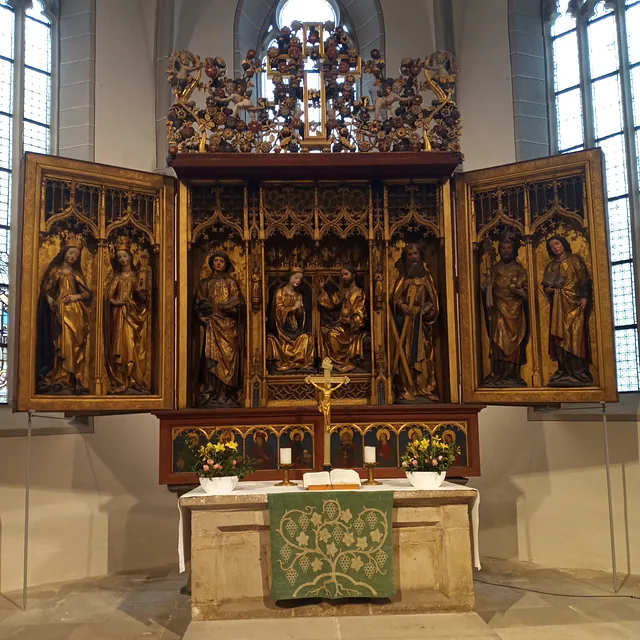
x: 148, y: 606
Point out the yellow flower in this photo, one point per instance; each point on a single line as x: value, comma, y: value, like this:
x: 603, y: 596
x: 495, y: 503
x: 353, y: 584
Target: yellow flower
x: 219, y: 447
x: 231, y: 445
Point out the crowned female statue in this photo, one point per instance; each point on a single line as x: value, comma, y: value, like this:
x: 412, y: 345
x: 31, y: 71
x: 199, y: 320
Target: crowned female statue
x: 128, y: 309
x: 63, y: 322
x: 290, y: 346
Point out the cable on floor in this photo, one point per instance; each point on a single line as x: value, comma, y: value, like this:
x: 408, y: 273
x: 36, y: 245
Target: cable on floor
x: 549, y: 593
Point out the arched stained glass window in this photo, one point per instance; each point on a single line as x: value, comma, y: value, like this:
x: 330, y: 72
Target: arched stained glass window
x: 596, y: 89
x: 319, y: 11
x: 25, y: 120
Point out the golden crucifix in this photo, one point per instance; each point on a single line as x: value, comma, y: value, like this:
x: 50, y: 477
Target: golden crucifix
x: 326, y: 384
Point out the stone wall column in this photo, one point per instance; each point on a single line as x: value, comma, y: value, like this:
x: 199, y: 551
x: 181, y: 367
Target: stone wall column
x: 163, y: 50
x: 76, y: 134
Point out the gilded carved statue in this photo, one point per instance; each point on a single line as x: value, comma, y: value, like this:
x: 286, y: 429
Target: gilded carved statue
x: 128, y: 309
x: 567, y: 285
x: 291, y: 346
x: 63, y: 322
x: 342, y: 340
x: 505, y: 290
x: 219, y: 305
x: 415, y: 309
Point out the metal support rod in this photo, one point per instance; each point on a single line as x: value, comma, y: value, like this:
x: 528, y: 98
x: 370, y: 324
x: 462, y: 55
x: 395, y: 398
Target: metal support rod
x: 27, y: 493
x: 607, y: 462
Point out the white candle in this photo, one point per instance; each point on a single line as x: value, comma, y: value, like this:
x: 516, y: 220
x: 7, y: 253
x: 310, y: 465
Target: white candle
x: 369, y: 455
x: 285, y: 456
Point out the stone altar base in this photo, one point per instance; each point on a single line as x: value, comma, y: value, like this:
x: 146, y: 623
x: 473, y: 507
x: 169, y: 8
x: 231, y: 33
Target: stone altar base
x: 231, y: 560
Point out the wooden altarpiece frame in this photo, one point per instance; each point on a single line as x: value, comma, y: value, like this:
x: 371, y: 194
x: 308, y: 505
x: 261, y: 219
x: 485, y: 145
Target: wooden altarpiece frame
x: 533, y: 202
x: 98, y: 209
x: 404, y: 197
x: 234, y: 185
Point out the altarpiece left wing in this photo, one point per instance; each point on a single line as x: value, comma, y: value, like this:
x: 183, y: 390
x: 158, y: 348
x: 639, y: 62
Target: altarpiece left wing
x: 94, y: 293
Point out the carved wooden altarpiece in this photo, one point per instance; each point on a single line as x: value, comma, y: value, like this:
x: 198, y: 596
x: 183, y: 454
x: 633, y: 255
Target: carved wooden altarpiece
x: 279, y: 258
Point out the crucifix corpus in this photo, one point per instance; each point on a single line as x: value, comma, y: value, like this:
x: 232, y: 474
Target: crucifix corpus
x: 326, y: 384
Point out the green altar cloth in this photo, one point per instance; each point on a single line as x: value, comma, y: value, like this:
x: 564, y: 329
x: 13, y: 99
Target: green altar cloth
x: 331, y: 544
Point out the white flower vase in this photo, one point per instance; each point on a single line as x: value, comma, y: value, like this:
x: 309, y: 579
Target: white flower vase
x: 426, y: 479
x: 218, y: 486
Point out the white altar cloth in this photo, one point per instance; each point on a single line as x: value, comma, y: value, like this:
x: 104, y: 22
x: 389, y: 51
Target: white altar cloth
x: 388, y: 484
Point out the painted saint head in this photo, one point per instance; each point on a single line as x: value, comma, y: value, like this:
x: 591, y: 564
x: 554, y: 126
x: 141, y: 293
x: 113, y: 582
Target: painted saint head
x: 508, y: 247
x: 70, y: 252
x: 123, y: 253
x: 219, y: 262
x: 295, y: 278
x: 347, y: 274
x: 260, y: 437
x: 414, y: 266
x: 346, y: 436
x: 557, y: 246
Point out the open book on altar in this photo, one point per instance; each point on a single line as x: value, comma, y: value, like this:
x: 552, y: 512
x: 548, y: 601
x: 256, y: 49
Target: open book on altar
x: 336, y: 479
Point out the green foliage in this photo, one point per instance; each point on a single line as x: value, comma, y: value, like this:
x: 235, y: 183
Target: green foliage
x: 429, y: 455
x: 219, y: 460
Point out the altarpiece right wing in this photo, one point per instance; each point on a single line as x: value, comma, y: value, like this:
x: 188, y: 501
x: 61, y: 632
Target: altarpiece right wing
x: 535, y: 284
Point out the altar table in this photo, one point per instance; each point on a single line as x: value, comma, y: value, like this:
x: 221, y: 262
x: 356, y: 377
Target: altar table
x: 435, y: 546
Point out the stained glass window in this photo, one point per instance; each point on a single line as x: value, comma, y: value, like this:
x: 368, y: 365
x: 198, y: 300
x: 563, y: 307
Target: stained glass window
x: 319, y: 11
x: 287, y: 12
x: 25, y: 122
x: 596, y: 91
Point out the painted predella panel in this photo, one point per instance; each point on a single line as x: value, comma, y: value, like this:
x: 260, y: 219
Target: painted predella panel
x: 536, y: 322
x: 95, y: 287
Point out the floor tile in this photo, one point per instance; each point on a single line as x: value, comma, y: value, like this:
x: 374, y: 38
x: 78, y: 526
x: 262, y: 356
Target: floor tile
x: 548, y: 604
x: 289, y: 629
x: 444, y: 626
x: 596, y: 631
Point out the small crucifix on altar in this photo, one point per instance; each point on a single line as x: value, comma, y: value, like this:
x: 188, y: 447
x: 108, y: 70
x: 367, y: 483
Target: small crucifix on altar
x: 326, y: 384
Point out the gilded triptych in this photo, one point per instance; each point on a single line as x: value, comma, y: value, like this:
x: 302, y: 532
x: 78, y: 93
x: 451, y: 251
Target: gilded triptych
x: 504, y: 300
x: 354, y: 273
x: 536, y: 311
x: 95, y: 278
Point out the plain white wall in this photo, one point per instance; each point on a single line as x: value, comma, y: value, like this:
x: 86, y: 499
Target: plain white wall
x: 125, y: 79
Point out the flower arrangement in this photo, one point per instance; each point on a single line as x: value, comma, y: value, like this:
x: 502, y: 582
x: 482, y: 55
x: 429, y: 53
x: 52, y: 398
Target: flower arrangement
x: 429, y: 455
x: 220, y: 460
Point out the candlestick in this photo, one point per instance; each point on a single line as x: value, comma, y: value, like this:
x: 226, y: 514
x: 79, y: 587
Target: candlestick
x: 370, y: 479
x: 285, y: 480
x: 285, y: 456
x: 369, y: 455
